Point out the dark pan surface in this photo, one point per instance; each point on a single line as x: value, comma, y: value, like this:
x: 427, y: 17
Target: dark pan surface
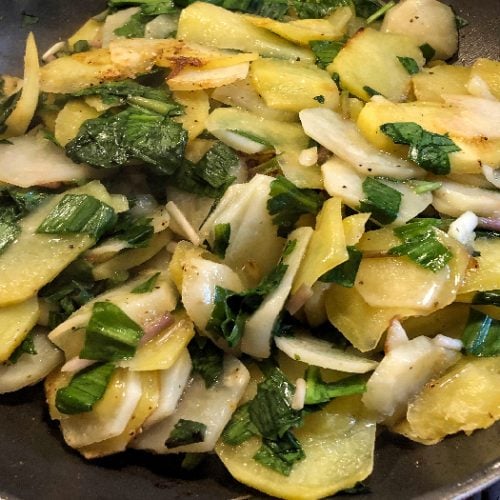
x: 36, y: 464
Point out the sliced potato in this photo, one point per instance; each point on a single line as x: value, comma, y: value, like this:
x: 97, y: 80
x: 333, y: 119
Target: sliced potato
x: 485, y: 274
x: 89, y: 31
x: 196, y: 108
x: 70, y: 119
x: 465, y: 398
x: 293, y: 86
x: 338, y: 442
x: 431, y: 83
x: 369, y: 63
x: 489, y: 72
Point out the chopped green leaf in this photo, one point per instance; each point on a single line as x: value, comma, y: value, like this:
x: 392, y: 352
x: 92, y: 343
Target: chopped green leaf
x: 79, y: 213
x: 490, y: 297
x: 409, y: 64
x: 222, y: 234
x: 134, y: 27
x: 366, y: 8
x: 270, y: 410
x: 147, y: 286
x: 461, y: 22
x: 232, y: 309
x: 6, y: 107
x: 110, y: 334
x: 85, y: 389
x: 281, y: 454
x: 240, y: 427
x: 255, y: 138
x: 380, y: 12
x: 371, y: 92
x: 186, y: 432
x: 27, y: 346
x: 81, y: 46
x: 207, y: 360
x: 481, y: 336
x: 320, y: 99
x: 326, y: 50
x: 133, y: 135
x: 318, y: 391
x: 211, y: 176
x: 427, y: 149
x: 9, y: 231
x: 427, y: 51
x: 421, y: 187
x: 136, y: 231
x: 287, y: 203
x: 381, y: 200
x: 149, y: 7
x: 345, y: 273
x: 315, y: 9
x: 420, y: 244
x: 192, y: 460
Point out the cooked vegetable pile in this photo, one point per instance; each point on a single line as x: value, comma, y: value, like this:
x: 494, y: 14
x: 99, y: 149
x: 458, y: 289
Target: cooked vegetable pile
x: 257, y: 229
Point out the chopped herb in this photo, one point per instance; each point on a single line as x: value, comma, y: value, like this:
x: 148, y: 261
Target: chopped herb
x: 222, y: 234
x: 288, y: 202
x: 481, y: 336
x: 371, y: 92
x: 9, y: 231
x: 240, y: 428
x: 27, y: 346
x: 427, y: 149
x: 147, y: 286
x: 29, y: 19
x: 270, y: 410
x: 211, y: 176
x: 320, y: 99
x: 336, y: 79
x: 134, y: 27
x: 110, y: 334
x: 85, y: 389
x: 380, y: 12
x: 149, y: 7
x: 427, y: 51
x: 136, y: 231
x: 409, y: 64
x: 318, y: 391
x: 491, y: 297
x: 326, y: 51
x: 420, y: 244
x: 192, y: 460
x: 461, y: 22
x: 232, y: 309
x: 281, y: 454
x: 81, y: 46
x: 186, y: 432
x: 421, y: 187
x: 79, y: 213
x: 133, y: 135
x: 315, y: 9
x: 381, y: 200
x: 255, y: 138
x: 207, y: 360
x: 366, y: 8
x: 345, y: 273
x: 6, y: 107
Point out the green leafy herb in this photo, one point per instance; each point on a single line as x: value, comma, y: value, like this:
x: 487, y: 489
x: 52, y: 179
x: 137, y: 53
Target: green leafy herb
x: 110, y: 334
x: 318, y: 391
x: 345, y: 273
x: 134, y: 27
x: 79, y: 213
x: 381, y: 200
x: 27, y: 346
x: 211, y: 176
x: 371, y: 92
x: 270, y: 410
x: 150, y: 7
x: 85, y: 389
x: 481, y: 336
x: 409, y: 64
x: 147, y: 286
x: 136, y: 231
x: 366, y: 8
x: 9, y: 231
x: 133, y: 135
x: 288, y: 202
x: 232, y: 309
x: 255, y: 138
x: 29, y: 19
x: 421, y: 187
x: 192, y: 460
x: 427, y: 51
x: 420, y: 244
x: 81, y: 46
x: 427, y: 149
x: 240, y: 428
x: 380, y: 12
x: 281, y: 454
x: 207, y: 360
x: 461, y: 22
x: 6, y: 107
x: 491, y: 297
x: 158, y: 100
x: 326, y: 50
x: 320, y: 99
x: 222, y: 234
x: 186, y: 432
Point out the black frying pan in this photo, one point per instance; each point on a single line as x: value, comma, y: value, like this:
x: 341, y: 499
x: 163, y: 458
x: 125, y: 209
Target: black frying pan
x: 36, y: 464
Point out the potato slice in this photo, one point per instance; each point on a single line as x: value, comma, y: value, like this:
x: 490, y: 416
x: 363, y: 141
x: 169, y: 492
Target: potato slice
x: 31, y: 368
x: 338, y: 442
x: 217, y: 27
x: 369, y: 63
x: 485, y: 275
x: 426, y: 21
x: 293, y: 86
x: 89, y: 31
x: 16, y: 321
x: 465, y: 398
x: 70, y: 119
x: 18, y: 121
x: 489, y: 72
x: 196, y: 108
x: 431, y: 83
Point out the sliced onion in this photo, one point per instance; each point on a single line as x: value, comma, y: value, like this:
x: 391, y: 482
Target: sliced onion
x: 462, y: 229
x: 77, y: 364
x: 396, y: 336
x: 155, y: 326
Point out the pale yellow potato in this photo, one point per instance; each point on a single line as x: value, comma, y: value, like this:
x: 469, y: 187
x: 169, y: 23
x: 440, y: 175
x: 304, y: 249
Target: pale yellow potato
x: 489, y: 72
x: 196, y: 108
x: 431, y: 83
x: 70, y: 119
